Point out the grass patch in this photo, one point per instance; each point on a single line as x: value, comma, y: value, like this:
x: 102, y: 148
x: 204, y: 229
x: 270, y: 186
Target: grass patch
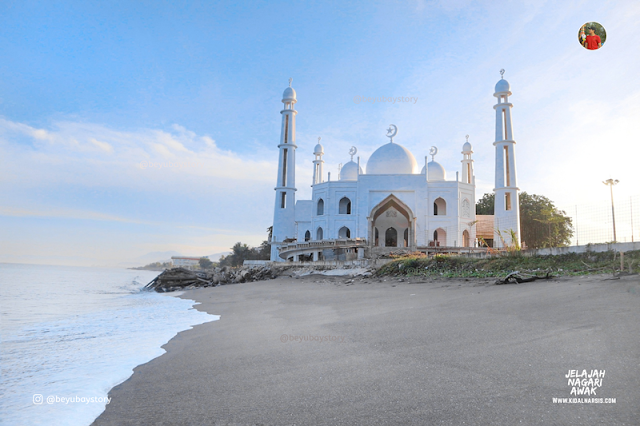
x: 454, y: 266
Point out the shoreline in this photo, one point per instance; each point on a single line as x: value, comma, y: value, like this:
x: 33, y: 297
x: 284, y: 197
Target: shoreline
x: 412, y: 350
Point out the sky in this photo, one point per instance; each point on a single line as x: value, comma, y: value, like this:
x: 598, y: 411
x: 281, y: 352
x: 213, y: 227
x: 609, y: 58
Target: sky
x: 129, y: 128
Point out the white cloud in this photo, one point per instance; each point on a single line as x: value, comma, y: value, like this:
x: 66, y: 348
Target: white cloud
x: 74, y: 153
x: 78, y: 183
x: 102, y: 145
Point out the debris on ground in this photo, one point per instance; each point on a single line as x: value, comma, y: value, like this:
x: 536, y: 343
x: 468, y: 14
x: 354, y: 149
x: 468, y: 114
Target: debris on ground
x: 518, y: 278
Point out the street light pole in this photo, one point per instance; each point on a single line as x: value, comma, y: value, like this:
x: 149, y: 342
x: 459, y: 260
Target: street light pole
x: 612, y: 182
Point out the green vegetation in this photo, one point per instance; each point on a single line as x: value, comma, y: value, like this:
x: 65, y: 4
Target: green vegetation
x: 206, y: 263
x: 242, y: 252
x: 450, y: 266
x: 157, y: 265
x: 541, y: 223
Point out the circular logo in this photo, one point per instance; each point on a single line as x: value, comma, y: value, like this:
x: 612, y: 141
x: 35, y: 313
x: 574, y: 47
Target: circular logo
x: 284, y: 338
x: 592, y: 35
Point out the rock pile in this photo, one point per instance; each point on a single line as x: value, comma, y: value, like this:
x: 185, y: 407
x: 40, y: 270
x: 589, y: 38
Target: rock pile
x: 183, y: 279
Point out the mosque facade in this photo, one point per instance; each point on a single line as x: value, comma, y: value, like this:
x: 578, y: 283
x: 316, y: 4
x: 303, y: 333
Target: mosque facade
x: 392, y: 204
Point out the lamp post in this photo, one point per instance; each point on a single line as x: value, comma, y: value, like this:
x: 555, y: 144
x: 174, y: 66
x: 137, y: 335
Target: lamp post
x: 612, y: 182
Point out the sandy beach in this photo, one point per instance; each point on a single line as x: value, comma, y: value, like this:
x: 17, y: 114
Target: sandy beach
x: 322, y: 351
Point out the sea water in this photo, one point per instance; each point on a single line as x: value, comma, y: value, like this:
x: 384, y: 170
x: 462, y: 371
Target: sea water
x: 70, y: 334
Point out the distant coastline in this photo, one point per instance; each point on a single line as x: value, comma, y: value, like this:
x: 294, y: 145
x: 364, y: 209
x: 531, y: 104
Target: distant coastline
x: 150, y: 268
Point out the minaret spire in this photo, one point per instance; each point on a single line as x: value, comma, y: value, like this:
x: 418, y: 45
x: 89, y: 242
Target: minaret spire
x: 467, y: 162
x: 507, y: 203
x: 284, y: 213
x: 318, y: 163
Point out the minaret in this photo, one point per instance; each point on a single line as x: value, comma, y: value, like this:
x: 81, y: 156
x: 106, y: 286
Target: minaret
x: 284, y: 212
x: 467, y: 162
x: 318, y: 151
x: 507, y: 203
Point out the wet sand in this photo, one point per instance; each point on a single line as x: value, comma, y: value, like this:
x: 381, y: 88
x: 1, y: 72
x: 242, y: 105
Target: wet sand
x: 317, y: 351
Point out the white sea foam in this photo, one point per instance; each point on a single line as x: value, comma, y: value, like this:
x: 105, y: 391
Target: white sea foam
x: 78, y: 333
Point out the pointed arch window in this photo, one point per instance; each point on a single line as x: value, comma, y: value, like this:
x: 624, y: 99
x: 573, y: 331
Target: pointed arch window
x: 320, y: 209
x: 307, y: 236
x: 344, y: 232
x: 345, y: 206
x: 439, y: 207
x: 319, y: 235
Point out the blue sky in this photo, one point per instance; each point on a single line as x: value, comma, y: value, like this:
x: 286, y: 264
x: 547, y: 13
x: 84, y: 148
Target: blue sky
x: 92, y: 92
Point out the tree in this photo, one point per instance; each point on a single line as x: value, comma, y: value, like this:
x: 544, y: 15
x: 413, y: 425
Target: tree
x: 264, y: 251
x: 205, y: 263
x: 241, y: 252
x: 541, y: 223
x: 485, y: 204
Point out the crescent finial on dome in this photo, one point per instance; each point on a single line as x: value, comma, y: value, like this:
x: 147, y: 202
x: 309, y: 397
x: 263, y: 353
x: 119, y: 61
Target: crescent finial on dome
x: 433, y: 151
x: 353, y: 152
x: 392, y: 131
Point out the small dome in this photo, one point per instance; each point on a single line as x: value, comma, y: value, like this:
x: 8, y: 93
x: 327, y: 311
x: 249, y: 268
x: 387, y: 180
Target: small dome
x: 289, y: 95
x: 467, y: 148
x: 503, y: 86
x: 392, y: 159
x: 436, y: 171
x: 318, y: 149
x: 350, y: 171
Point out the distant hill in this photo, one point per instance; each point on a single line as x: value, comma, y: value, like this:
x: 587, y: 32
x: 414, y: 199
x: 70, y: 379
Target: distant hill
x: 216, y: 257
x: 154, y: 256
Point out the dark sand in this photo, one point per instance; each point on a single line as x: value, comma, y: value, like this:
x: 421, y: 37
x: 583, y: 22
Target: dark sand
x: 445, y: 352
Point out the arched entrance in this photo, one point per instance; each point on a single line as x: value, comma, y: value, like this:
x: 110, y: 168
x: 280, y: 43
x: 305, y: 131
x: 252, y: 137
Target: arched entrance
x: 465, y: 239
x: 440, y: 237
x: 391, y: 224
x: 391, y: 238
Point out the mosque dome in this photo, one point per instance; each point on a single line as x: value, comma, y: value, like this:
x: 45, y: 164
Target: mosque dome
x: 289, y: 95
x: 503, y: 86
x: 319, y: 149
x: 350, y: 171
x: 467, y: 148
x: 392, y: 159
x: 436, y: 171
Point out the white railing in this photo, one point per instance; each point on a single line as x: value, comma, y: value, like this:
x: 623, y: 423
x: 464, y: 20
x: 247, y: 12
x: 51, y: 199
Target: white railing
x: 339, y: 243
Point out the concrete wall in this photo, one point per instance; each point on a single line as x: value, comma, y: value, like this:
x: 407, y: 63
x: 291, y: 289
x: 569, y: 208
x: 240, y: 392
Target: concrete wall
x: 256, y: 262
x: 584, y: 249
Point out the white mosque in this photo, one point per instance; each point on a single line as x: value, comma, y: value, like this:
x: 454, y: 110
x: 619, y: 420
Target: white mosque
x: 393, y: 205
